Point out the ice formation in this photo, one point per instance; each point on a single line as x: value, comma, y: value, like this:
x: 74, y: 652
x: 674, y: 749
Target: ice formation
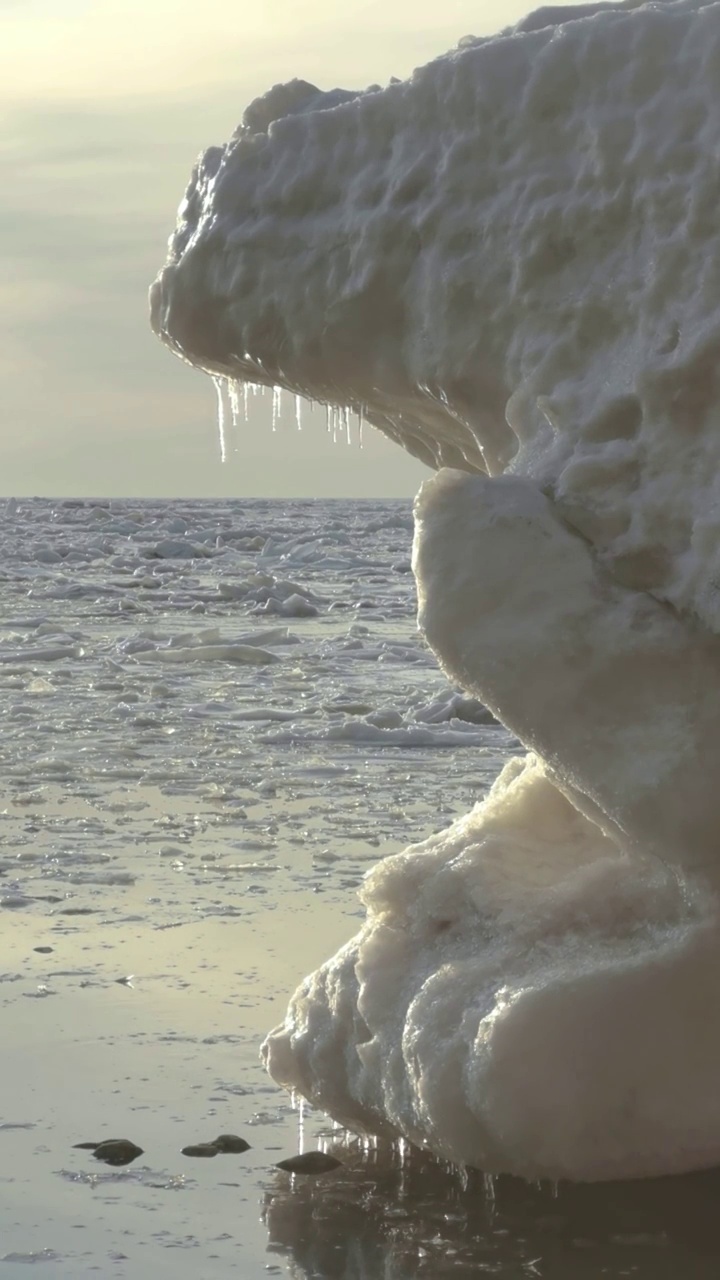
x: 511, y: 262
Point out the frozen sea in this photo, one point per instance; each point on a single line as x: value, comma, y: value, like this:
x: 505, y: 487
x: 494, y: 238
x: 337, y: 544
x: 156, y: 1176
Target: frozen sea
x: 216, y: 717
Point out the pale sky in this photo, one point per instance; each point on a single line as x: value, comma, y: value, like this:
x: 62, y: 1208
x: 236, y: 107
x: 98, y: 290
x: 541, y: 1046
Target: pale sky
x: 105, y: 105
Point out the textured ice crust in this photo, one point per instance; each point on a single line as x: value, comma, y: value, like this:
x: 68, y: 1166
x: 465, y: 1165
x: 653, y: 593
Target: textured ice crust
x: 509, y: 260
x: 521, y: 999
x: 510, y: 263
x: 532, y: 991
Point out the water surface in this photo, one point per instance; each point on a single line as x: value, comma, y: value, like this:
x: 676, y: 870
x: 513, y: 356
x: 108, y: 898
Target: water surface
x: 187, y: 833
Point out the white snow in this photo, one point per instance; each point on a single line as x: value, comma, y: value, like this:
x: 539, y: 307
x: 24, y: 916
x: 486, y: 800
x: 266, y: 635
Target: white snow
x: 511, y: 261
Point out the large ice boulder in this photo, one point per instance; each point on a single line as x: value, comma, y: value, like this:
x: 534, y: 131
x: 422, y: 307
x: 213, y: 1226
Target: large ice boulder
x: 510, y: 264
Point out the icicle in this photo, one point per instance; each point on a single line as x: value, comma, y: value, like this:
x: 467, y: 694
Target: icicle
x: 361, y: 424
x: 276, y: 406
x: 489, y: 1185
x: 247, y: 388
x: 219, y: 387
x: 298, y: 412
x: 401, y: 1147
x: 301, y: 1126
x: 234, y: 396
x: 346, y: 416
x: 234, y: 403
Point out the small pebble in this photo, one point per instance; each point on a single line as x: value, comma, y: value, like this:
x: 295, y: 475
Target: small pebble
x: 309, y: 1162
x: 206, y: 1149
x: 44, y: 951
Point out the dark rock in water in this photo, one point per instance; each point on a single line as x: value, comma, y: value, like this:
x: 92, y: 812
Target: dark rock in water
x: 93, y: 1146
x: 229, y: 1143
x: 310, y: 1162
x: 117, y: 1151
x: 44, y: 951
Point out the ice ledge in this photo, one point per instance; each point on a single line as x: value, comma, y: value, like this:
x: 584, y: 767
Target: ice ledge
x: 508, y: 261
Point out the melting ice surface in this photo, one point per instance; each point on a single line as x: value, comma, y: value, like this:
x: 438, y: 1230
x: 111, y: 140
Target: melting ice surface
x: 511, y: 261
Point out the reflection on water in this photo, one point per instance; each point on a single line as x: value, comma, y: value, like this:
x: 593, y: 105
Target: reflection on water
x: 386, y: 1216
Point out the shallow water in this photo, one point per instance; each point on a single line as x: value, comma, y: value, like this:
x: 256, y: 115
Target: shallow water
x: 186, y: 830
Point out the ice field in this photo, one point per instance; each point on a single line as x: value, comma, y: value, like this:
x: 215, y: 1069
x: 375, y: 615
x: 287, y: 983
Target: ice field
x: 188, y: 833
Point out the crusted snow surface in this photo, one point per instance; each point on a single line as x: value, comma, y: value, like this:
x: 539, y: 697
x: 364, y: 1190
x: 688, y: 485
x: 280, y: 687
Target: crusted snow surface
x: 521, y: 999
x: 510, y: 264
